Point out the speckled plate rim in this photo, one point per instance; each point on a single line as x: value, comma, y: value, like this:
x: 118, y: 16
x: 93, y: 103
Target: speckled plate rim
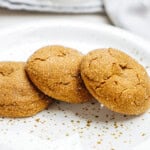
x: 113, y: 31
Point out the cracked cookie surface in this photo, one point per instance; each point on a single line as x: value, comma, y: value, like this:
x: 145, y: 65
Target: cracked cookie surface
x: 117, y: 81
x: 55, y: 70
x: 18, y: 96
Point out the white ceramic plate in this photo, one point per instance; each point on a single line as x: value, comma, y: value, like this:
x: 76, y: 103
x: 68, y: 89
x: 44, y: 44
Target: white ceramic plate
x: 67, y: 126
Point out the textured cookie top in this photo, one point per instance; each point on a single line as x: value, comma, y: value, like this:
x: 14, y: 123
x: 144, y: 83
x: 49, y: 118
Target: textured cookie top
x: 55, y: 70
x: 116, y: 80
x: 15, y: 87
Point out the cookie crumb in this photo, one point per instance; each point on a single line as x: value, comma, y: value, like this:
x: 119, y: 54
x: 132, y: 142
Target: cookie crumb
x: 115, y: 125
x: 96, y: 116
x: 37, y: 120
x: 88, y: 123
x: 76, y: 114
x: 67, y: 134
x: 98, y: 142
x: 78, y: 121
x: 143, y: 134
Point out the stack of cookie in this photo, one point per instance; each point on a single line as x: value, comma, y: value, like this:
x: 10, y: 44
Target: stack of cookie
x: 108, y: 75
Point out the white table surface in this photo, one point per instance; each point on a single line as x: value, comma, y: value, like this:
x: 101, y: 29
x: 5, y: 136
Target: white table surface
x: 9, y: 18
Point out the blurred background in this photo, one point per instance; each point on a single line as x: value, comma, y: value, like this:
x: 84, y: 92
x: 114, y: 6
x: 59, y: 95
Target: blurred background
x: 133, y: 16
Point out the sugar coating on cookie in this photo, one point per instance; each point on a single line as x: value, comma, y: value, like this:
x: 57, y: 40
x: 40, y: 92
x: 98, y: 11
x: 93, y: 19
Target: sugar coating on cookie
x: 55, y: 70
x: 117, y: 81
x: 18, y: 96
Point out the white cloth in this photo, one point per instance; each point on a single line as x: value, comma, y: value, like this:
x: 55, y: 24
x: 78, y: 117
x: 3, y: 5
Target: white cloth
x: 133, y: 15
x: 73, y: 6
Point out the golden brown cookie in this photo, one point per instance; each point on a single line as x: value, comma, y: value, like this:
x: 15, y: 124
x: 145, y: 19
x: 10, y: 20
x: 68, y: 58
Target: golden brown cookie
x: 117, y: 81
x: 55, y: 70
x: 18, y: 97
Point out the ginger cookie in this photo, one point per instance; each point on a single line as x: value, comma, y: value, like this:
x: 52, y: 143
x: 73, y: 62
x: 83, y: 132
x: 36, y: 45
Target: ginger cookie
x: 18, y: 96
x: 117, y: 81
x: 55, y: 70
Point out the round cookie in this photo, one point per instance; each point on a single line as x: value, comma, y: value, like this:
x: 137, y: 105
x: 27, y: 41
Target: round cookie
x: 55, y: 70
x: 18, y: 97
x: 117, y: 81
